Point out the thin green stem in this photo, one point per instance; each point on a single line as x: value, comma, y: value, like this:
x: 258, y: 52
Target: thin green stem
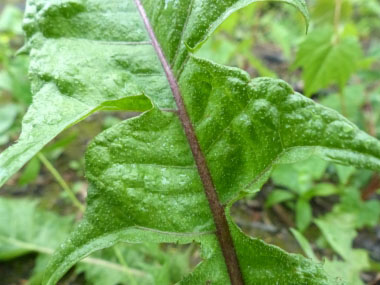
x: 337, y: 15
x: 89, y: 260
x: 374, y: 266
x: 74, y: 199
x: 343, y: 105
x: 60, y: 181
x: 369, y: 115
x: 119, y: 256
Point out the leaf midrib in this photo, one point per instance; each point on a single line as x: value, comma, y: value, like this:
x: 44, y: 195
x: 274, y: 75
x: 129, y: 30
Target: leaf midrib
x: 222, y: 227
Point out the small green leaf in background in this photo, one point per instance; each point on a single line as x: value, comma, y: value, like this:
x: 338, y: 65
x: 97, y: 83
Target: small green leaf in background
x: 348, y: 271
x: 304, y: 244
x: 344, y: 172
x: 154, y: 266
x: 31, y: 171
x: 304, y: 214
x: 324, y: 11
x: 25, y: 228
x: 355, y: 95
x: 339, y: 231
x: 15, y: 81
x: 300, y: 176
x: 8, y: 114
x: 10, y: 20
x: 341, y: 271
x: 321, y: 190
x: 326, y: 60
x: 365, y: 213
x: 279, y: 196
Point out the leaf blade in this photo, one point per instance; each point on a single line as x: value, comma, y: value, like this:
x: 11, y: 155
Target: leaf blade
x: 120, y: 162
x: 326, y: 60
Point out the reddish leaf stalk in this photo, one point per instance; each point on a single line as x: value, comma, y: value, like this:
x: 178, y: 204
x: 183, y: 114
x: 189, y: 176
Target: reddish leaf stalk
x: 371, y: 188
x: 218, y: 212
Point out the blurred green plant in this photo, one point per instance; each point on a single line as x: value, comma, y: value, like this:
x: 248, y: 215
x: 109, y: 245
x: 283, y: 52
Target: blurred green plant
x: 299, y: 179
x: 338, y: 229
x: 34, y: 230
x: 347, y: 269
x: 15, y: 93
x: 341, y: 51
x: 328, y: 57
x: 234, y: 41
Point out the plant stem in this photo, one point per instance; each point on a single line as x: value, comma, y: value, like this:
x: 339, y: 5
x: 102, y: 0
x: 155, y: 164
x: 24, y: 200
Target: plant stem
x: 337, y: 14
x: 371, y: 188
x: 119, y: 256
x: 343, y: 105
x: 89, y: 260
x: 74, y: 199
x: 60, y: 181
x: 374, y: 266
x: 217, y: 209
x: 369, y: 115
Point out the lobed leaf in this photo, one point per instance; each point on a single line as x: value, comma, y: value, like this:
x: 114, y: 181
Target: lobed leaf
x: 156, y: 174
x: 326, y: 59
x: 145, y: 185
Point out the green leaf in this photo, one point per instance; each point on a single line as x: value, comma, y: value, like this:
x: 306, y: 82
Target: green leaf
x: 147, y: 264
x: 343, y: 272
x: 321, y: 190
x: 8, y: 114
x: 344, y: 173
x: 355, y: 95
x: 35, y: 230
x: 14, y: 79
x: 72, y: 46
x: 304, y: 243
x: 278, y: 196
x: 144, y: 165
x: 299, y: 177
x: 97, y: 275
x: 339, y: 231
x: 364, y: 213
x: 10, y: 20
x: 304, y: 214
x: 348, y: 272
x: 24, y: 228
x: 146, y: 180
x: 30, y: 229
x: 323, y: 11
x: 326, y: 60
x: 157, y: 161
x: 30, y: 172
x: 65, y: 94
